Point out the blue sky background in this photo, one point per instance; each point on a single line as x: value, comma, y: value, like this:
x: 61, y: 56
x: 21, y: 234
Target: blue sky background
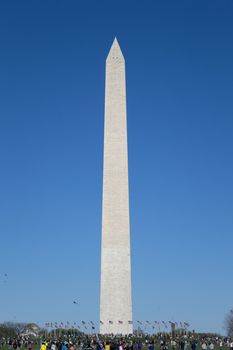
x: 179, y: 61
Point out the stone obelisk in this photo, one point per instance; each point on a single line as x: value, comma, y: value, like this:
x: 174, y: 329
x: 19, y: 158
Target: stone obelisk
x: 115, y: 293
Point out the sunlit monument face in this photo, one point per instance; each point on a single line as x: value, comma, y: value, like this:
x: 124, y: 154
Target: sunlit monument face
x: 115, y: 294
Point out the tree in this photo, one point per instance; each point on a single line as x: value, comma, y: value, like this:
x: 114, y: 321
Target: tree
x: 17, y: 326
x: 229, y: 323
x: 7, y: 331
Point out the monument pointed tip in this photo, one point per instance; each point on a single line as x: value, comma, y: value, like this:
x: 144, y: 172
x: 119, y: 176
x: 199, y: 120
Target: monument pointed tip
x: 115, y: 51
x: 116, y: 43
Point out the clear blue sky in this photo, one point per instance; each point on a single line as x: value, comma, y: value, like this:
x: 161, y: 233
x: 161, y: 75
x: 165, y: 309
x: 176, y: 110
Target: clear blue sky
x: 179, y: 60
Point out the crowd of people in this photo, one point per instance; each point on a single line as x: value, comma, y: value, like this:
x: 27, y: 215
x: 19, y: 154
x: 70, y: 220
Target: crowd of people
x: 134, y: 342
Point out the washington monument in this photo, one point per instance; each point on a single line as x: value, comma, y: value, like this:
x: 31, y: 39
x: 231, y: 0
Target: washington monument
x: 115, y: 293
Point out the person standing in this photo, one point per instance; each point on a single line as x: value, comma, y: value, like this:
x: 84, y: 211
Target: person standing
x: 182, y: 344
x: 193, y: 345
x: 211, y: 346
x: 204, y: 346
